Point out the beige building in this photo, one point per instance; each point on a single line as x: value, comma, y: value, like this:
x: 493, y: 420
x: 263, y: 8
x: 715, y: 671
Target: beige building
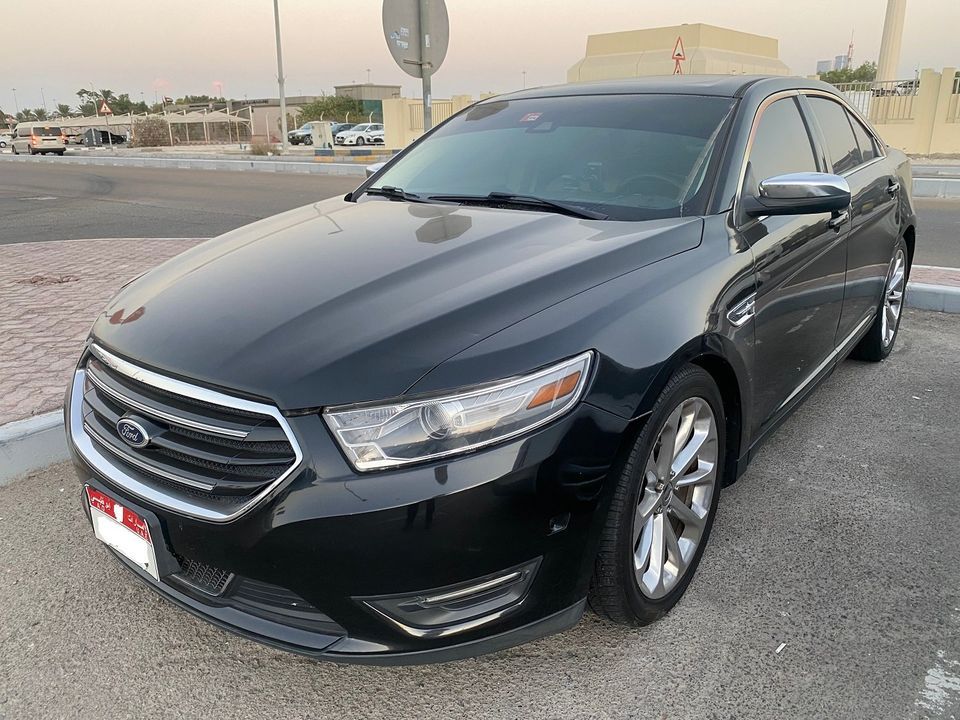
x: 367, y: 91
x: 708, y: 49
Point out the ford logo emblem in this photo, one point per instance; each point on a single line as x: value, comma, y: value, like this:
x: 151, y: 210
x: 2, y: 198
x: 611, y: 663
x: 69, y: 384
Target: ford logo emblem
x: 132, y: 433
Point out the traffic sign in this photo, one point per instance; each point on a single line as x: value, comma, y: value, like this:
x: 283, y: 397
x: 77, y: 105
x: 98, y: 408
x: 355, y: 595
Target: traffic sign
x: 418, y: 33
x: 678, y: 56
x: 104, y: 108
x: 415, y: 51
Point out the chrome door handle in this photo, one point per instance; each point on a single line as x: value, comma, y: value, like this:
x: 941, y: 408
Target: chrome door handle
x: 838, y: 220
x: 893, y: 188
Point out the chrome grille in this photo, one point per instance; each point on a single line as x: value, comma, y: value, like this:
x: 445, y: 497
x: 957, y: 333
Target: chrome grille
x: 209, y: 454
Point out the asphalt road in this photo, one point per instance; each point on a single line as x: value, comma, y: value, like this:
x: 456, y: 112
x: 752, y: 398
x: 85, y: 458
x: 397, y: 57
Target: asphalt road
x: 46, y: 201
x: 841, y: 543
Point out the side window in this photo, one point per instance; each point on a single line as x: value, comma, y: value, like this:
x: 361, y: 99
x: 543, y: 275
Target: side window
x: 868, y: 145
x: 781, y: 145
x: 835, y: 125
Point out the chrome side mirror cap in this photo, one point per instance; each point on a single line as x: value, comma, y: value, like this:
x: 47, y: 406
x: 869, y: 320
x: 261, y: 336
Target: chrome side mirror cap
x: 799, y: 194
x: 374, y: 168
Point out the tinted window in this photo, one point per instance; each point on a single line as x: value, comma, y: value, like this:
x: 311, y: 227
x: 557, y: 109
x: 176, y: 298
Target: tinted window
x: 843, y: 149
x: 47, y: 130
x: 868, y: 146
x: 781, y: 145
x: 630, y: 157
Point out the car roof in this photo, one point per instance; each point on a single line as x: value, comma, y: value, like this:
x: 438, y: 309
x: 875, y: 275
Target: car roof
x: 716, y: 85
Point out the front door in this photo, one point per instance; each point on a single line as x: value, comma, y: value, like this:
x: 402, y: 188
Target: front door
x: 855, y: 155
x: 800, y: 263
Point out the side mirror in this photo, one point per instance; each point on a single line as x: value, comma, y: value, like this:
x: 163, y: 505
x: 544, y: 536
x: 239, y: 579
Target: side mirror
x: 799, y: 194
x: 374, y: 169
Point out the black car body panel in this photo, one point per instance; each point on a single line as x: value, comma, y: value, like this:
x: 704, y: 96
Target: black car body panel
x: 370, y: 298
x: 378, y: 277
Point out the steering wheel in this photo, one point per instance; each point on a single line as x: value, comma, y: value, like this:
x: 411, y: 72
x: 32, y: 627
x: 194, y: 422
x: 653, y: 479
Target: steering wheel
x: 635, y: 185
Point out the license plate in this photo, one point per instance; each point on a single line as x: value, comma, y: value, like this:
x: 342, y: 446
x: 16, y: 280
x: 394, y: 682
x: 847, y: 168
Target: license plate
x: 123, y: 530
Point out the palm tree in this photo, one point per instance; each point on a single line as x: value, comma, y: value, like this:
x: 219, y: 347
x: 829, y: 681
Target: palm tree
x: 40, y: 113
x: 63, y: 110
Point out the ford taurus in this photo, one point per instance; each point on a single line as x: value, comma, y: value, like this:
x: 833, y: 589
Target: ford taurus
x: 505, y: 377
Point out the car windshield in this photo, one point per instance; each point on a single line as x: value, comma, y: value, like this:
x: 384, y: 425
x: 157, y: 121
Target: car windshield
x: 629, y: 157
x: 47, y: 130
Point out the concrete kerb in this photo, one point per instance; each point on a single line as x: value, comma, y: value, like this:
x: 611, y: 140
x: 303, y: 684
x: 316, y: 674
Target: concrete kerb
x: 304, y: 167
x: 939, y: 187
x: 31, y: 444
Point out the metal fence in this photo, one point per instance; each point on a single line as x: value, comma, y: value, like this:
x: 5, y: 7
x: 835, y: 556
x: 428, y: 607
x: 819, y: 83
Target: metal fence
x: 882, y: 102
x: 442, y: 109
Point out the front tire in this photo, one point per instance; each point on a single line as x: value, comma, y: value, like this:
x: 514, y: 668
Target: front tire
x: 664, y: 503
x: 878, y: 343
x: 360, y: 140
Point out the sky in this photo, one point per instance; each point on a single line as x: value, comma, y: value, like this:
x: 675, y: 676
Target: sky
x: 180, y: 47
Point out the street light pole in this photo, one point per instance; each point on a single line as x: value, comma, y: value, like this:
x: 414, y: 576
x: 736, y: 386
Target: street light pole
x: 15, y: 103
x: 283, y: 99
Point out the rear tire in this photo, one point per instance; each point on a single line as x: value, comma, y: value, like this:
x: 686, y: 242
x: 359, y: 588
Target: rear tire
x: 878, y: 343
x: 664, y: 503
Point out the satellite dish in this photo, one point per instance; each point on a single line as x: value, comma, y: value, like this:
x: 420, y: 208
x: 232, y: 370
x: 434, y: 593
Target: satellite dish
x: 415, y: 49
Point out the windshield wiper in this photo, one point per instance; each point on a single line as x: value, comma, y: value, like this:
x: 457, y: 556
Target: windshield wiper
x: 394, y: 193
x: 504, y: 198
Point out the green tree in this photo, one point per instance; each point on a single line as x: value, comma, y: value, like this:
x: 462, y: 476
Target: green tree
x: 40, y: 113
x: 332, y: 107
x: 867, y: 72
x: 63, y: 110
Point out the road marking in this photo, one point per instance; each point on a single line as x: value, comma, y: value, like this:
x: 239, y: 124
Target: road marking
x: 39, y: 197
x: 941, y: 687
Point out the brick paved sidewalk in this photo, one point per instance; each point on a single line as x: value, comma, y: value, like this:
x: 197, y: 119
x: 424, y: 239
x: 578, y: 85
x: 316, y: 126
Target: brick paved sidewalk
x: 50, y: 293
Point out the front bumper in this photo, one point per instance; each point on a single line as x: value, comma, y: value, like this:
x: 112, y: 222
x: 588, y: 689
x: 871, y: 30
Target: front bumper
x: 352, y: 544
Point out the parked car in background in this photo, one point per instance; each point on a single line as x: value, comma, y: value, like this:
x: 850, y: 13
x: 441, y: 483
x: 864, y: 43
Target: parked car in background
x: 362, y: 134
x: 303, y: 135
x: 508, y: 375
x: 39, y: 138
x: 5, y: 139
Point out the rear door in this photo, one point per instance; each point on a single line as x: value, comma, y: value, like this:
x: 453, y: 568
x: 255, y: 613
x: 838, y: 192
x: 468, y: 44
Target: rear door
x: 856, y: 155
x: 800, y: 262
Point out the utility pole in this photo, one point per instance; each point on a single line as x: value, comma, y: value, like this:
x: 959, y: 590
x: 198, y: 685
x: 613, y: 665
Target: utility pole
x: 43, y: 100
x: 426, y: 67
x: 524, y: 73
x: 283, y: 99
x: 15, y: 103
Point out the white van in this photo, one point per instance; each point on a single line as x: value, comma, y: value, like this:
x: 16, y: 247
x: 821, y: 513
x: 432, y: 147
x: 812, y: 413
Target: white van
x: 39, y: 137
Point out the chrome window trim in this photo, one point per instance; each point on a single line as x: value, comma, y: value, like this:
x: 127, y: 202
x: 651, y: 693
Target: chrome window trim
x: 767, y: 102
x: 86, y: 448
x: 856, y: 114
x: 742, y: 175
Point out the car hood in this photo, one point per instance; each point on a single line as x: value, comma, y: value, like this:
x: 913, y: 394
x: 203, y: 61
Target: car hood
x: 342, y: 302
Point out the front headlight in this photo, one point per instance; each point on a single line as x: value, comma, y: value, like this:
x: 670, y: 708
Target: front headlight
x: 383, y: 436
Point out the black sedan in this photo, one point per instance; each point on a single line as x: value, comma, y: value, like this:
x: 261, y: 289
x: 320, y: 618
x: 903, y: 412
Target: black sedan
x: 506, y: 377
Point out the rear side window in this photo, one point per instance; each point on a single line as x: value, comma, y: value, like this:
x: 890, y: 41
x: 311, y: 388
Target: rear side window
x: 23, y: 132
x: 781, y: 145
x: 866, y: 142
x: 835, y: 124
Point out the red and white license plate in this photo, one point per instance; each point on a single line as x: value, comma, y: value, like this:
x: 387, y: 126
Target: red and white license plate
x: 123, y: 530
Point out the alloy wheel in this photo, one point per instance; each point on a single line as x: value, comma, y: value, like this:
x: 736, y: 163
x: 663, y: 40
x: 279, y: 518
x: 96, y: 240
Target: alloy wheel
x: 678, y: 485
x: 893, y: 297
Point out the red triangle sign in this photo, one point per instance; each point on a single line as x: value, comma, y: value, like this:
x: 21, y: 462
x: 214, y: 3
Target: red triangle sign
x: 678, y: 50
x: 104, y: 108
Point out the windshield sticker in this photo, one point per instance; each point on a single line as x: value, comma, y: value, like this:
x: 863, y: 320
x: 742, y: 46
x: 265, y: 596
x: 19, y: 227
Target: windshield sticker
x: 530, y: 117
